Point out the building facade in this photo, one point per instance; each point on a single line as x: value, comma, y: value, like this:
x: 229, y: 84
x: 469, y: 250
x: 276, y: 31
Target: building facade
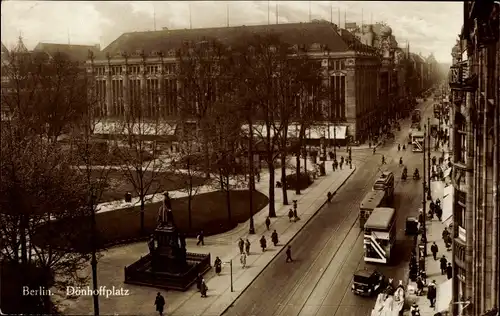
x: 146, y: 63
x: 474, y: 81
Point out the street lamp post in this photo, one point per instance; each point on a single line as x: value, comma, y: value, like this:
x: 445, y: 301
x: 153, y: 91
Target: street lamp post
x: 231, y: 273
x: 429, y: 197
x: 424, y: 208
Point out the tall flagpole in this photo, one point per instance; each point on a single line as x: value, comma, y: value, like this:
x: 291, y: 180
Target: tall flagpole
x: 277, y: 12
x: 338, y: 13
x: 268, y: 16
x: 331, y: 13
x: 345, y: 17
x: 190, y: 18
x: 310, y: 11
x: 227, y: 14
x: 154, y: 17
x: 371, y: 18
x: 362, y: 17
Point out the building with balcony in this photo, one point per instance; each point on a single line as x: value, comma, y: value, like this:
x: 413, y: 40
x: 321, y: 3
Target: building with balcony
x: 474, y: 82
x: 392, y: 93
x: 142, y: 62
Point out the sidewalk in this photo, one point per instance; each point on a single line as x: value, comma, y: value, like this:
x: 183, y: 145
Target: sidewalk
x: 140, y: 299
x: 434, y: 234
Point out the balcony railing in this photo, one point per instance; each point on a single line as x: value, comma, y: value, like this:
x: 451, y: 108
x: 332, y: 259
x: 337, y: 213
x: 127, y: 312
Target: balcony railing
x: 461, y: 79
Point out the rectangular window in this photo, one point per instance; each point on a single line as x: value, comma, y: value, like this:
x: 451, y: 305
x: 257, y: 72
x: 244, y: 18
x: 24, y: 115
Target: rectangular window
x: 342, y: 97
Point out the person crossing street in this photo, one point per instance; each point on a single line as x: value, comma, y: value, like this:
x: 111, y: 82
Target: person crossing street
x: 289, y: 254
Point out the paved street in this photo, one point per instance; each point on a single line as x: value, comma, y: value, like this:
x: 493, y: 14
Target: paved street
x: 330, y: 248
x: 140, y: 299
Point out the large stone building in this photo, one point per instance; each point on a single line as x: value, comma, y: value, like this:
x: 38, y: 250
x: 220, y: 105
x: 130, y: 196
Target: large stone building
x: 146, y: 61
x: 474, y: 80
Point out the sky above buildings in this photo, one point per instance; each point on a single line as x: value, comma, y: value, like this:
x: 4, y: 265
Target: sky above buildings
x: 429, y: 27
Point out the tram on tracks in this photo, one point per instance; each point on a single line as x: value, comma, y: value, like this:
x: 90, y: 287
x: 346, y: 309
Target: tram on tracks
x: 380, y: 235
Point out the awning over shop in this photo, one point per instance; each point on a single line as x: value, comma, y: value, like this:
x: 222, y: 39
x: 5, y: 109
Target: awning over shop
x: 146, y: 129
x: 313, y: 132
x: 448, y: 205
x: 444, y: 296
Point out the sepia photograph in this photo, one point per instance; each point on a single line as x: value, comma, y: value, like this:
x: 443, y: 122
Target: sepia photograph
x: 250, y: 158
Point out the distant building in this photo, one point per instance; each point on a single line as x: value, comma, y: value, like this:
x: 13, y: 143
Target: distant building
x: 146, y: 61
x: 76, y: 53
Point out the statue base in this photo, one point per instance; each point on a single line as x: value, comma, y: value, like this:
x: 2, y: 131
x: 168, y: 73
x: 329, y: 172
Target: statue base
x: 167, y: 275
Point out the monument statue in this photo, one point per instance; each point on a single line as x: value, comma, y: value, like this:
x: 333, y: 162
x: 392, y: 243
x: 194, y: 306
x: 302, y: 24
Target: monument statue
x: 165, y: 215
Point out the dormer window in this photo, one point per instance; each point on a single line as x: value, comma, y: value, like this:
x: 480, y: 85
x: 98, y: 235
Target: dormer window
x: 171, y: 53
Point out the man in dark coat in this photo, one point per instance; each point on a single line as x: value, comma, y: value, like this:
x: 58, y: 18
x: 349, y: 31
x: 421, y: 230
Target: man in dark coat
x: 160, y: 303
x: 443, y: 264
x: 434, y: 250
x: 449, y: 271
x: 268, y: 222
x: 431, y: 293
x: 289, y: 254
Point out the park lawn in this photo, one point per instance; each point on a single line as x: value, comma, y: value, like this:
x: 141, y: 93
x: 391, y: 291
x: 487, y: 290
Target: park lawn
x: 119, y: 183
x: 209, y: 214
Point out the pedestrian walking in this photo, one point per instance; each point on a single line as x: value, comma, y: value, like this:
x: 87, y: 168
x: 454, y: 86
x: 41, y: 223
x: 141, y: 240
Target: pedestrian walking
x: 420, y: 285
x: 241, y: 245
x: 243, y: 260
x: 431, y: 293
x: 414, y: 310
x: 342, y: 160
x: 399, y: 147
x: 274, y: 238
x: 404, y: 147
x: 341, y: 163
x: 434, y: 250
x: 329, y: 196
x: 263, y: 243
x: 439, y: 213
x: 201, y: 239
x: 445, y: 234
x: 258, y: 175
x: 159, y: 303
x: 247, y: 247
x: 383, y: 159
x: 333, y: 165
x: 290, y: 215
x: 204, y: 288
x: 199, y: 278
x: 268, y: 222
x: 449, y: 271
x: 443, y: 263
x: 289, y: 254
x: 218, y: 265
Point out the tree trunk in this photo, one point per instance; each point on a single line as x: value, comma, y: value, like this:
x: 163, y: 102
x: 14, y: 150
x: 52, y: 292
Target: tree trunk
x: 228, y: 200
x: 270, y: 166
x: 190, y: 197
x: 142, y: 215
x: 297, y: 173
x: 283, y: 176
x: 23, y: 241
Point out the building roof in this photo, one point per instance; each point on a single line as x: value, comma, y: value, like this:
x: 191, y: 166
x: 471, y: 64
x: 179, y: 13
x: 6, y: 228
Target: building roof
x: 380, y: 218
x: 74, y: 52
x: 372, y: 199
x: 4, y: 49
x: 417, y: 58
x: 165, y: 40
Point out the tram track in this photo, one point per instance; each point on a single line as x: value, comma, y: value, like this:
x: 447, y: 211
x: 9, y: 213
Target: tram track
x: 330, y: 247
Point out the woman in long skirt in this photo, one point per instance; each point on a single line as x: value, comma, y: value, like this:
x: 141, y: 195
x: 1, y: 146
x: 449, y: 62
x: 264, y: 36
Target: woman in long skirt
x: 218, y: 265
x: 243, y: 260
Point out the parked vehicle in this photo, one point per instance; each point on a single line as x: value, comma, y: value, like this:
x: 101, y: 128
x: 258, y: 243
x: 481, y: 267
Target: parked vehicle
x: 368, y: 282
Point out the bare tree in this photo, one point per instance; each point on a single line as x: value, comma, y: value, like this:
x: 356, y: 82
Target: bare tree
x: 136, y: 143
x: 202, y: 73
x: 190, y: 163
x: 225, y: 145
x: 38, y: 184
x: 46, y: 93
x: 86, y: 151
x: 267, y: 81
x: 311, y: 93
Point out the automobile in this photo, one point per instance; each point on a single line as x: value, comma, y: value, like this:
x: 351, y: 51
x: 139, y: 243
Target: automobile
x: 412, y: 226
x: 368, y: 282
